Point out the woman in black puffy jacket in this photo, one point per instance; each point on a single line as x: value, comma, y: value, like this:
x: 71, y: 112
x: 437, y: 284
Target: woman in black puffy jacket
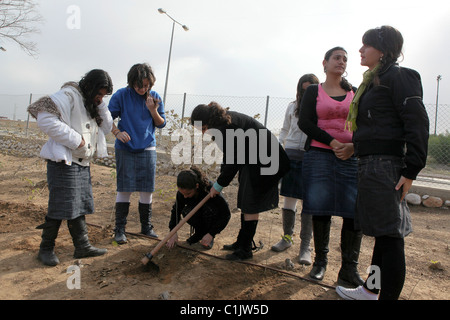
x: 390, y: 137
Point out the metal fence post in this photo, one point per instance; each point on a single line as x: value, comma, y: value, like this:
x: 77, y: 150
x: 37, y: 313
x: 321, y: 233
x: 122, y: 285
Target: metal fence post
x: 182, y: 112
x: 28, y: 116
x: 267, y: 111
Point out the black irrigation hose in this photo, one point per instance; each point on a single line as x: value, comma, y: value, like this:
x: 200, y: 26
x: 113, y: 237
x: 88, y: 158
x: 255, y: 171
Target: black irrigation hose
x: 140, y: 235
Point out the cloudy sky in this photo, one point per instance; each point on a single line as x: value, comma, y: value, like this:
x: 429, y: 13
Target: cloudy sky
x: 233, y: 47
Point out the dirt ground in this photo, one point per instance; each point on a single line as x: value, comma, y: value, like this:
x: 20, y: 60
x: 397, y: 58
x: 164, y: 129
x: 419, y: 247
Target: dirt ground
x: 186, y: 272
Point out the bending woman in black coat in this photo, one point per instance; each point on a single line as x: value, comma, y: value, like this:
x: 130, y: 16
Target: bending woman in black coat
x: 251, y: 150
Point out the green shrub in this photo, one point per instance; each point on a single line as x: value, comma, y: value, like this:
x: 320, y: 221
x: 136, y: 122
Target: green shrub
x: 439, y: 148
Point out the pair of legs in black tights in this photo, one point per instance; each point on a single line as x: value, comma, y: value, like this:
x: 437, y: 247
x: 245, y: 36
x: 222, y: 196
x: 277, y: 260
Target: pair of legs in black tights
x: 389, y: 257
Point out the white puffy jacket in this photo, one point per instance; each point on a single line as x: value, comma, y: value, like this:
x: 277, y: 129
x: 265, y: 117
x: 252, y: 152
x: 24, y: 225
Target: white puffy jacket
x: 63, y: 117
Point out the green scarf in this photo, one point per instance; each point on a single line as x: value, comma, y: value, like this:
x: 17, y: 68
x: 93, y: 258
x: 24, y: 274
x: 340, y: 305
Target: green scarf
x: 368, y: 76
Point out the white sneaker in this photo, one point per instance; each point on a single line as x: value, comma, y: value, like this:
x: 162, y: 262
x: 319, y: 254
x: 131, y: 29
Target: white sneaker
x: 356, y: 294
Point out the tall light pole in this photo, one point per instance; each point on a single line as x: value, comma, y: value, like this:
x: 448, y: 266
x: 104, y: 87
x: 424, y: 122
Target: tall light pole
x: 160, y: 10
x: 439, y: 77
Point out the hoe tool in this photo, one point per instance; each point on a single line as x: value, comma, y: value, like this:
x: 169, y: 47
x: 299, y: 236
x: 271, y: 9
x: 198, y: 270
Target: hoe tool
x: 146, y: 261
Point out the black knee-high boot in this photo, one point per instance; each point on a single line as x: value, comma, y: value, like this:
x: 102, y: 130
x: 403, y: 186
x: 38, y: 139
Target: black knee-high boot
x: 244, y: 249
x: 321, y: 233
x: 49, y: 234
x: 78, y: 231
x: 350, y: 246
x: 145, y: 216
x: 122, y: 209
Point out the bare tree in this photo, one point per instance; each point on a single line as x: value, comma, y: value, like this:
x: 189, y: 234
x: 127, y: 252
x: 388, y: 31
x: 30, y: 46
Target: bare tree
x: 19, y: 20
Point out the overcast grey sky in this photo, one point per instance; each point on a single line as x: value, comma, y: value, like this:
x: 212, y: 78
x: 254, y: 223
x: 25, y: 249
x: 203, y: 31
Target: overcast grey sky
x: 233, y: 48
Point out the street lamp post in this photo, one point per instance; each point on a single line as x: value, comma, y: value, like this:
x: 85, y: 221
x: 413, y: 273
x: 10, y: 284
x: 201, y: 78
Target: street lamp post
x: 160, y: 10
x: 439, y: 77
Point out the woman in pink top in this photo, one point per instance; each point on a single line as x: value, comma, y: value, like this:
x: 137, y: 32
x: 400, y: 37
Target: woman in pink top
x: 329, y: 167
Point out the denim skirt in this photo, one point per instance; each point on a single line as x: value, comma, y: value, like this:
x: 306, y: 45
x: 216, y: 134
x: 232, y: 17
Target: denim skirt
x: 379, y: 211
x: 291, y: 183
x: 329, y: 184
x: 135, y: 170
x: 70, y: 191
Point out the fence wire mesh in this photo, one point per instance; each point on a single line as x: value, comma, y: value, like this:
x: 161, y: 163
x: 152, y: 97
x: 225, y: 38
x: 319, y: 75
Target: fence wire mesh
x: 269, y: 111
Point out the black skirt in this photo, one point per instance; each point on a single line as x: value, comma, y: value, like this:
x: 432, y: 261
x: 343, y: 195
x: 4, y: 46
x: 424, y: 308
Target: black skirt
x: 252, y: 199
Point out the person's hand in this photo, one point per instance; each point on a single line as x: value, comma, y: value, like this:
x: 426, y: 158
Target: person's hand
x: 123, y: 136
x: 213, y: 192
x: 344, y: 151
x: 82, y: 143
x: 405, y: 184
x: 206, y: 240
x: 152, y: 103
x: 172, y: 241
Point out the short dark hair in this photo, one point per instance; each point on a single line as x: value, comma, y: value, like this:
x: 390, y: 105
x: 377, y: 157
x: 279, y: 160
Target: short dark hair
x: 138, y: 73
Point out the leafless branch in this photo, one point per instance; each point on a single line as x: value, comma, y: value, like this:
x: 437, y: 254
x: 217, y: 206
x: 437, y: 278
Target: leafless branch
x: 18, y: 20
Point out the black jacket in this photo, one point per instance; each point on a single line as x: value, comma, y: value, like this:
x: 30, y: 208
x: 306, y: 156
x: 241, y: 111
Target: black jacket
x: 392, y: 119
x: 211, y: 218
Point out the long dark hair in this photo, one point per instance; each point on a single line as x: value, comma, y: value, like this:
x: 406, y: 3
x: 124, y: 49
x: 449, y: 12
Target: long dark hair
x: 309, y: 77
x: 188, y: 179
x: 212, y: 115
x: 344, y: 82
x: 388, y: 40
x: 138, y: 73
x: 90, y: 85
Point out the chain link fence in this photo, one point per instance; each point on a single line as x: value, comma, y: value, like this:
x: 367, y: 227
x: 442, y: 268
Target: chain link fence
x: 269, y: 111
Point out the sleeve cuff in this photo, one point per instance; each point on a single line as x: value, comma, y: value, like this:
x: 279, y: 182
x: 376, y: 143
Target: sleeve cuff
x: 217, y: 186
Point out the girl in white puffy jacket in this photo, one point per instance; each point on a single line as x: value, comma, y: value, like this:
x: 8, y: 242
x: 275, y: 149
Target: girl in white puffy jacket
x: 76, y: 120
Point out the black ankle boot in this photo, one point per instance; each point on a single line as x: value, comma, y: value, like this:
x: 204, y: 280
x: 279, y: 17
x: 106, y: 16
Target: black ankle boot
x: 350, y: 246
x: 122, y: 209
x: 49, y: 234
x: 244, y: 249
x: 145, y: 216
x: 79, y: 233
x: 321, y: 233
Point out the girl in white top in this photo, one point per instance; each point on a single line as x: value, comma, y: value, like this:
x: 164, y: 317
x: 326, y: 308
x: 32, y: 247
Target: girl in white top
x: 293, y: 140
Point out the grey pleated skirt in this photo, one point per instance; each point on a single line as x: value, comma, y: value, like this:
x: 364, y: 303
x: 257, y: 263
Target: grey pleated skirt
x: 70, y: 191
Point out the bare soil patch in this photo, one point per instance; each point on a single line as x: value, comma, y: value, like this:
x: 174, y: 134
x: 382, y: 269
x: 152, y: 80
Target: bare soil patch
x: 187, y: 272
